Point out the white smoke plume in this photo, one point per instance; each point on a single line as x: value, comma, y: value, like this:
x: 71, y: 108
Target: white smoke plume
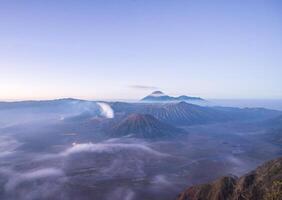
x: 106, y: 110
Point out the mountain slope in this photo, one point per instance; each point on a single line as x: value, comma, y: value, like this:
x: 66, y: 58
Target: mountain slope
x: 264, y: 183
x: 183, y: 113
x: 173, y: 113
x: 143, y: 126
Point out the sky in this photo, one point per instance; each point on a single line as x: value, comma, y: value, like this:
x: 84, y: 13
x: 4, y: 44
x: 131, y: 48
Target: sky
x: 109, y: 49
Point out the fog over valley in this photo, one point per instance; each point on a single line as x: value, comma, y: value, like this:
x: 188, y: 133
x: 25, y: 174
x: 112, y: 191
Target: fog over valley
x: 77, y: 149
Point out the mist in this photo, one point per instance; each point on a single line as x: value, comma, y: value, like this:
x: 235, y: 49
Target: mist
x: 62, y: 150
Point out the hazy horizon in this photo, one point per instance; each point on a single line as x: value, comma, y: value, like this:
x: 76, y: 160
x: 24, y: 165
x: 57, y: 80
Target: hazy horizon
x: 275, y: 104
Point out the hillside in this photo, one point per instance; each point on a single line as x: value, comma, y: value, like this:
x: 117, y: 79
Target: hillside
x: 264, y: 183
x: 183, y: 113
x: 143, y: 126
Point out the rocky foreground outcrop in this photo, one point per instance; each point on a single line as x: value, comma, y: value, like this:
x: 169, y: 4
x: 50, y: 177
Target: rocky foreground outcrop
x: 264, y: 183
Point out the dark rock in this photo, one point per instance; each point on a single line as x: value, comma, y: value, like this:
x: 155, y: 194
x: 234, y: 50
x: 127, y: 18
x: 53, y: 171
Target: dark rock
x: 264, y: 183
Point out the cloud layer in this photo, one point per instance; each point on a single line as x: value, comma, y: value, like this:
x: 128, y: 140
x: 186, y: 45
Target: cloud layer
x: 109, y: 148
x: 18, y: 178
x: 8, y: 146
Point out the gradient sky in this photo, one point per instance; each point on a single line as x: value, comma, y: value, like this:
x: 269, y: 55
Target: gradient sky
x: 125, y: 49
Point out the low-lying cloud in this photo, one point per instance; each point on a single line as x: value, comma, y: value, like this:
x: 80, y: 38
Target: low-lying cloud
x: 8, y: 146
x: 121, y: 193
x: 108, y: 148
x: 18, y: 178
x: 160, y: 180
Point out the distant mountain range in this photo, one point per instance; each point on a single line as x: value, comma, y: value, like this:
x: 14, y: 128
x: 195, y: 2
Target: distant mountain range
x: 143, y: 126
x: 264, y: 183
x: 173, y: 112
x: 160, y: 96
x: 183, y: 113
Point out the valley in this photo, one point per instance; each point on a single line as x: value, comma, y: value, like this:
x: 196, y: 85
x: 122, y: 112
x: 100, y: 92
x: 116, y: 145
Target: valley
x: 134, y: 156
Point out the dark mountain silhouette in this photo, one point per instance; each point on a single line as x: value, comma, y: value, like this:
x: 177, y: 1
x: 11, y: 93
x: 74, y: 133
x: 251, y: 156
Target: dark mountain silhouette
x: 143, y: 126
x: 264, y: 183
x: 160, y: 96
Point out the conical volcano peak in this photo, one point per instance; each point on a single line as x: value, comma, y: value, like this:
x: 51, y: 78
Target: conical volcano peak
x: 157, y: 92
x: 143, y: 126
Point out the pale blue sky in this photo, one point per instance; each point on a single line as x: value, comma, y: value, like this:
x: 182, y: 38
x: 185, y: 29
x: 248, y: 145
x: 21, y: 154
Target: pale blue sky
x: 110, y: 49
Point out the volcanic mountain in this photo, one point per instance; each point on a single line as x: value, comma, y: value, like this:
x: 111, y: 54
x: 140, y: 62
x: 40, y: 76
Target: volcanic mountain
x: 264, y: 183
x: 160, y: 97
x: 143, y: 126
x: 183, y: 113
x: 173, y: 113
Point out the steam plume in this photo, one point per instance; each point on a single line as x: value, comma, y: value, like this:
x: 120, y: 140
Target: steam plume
x: 106, y: 110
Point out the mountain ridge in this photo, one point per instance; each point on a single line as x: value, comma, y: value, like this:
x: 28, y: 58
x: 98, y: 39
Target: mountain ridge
x: 263, y: 183
x: 183, y: 113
